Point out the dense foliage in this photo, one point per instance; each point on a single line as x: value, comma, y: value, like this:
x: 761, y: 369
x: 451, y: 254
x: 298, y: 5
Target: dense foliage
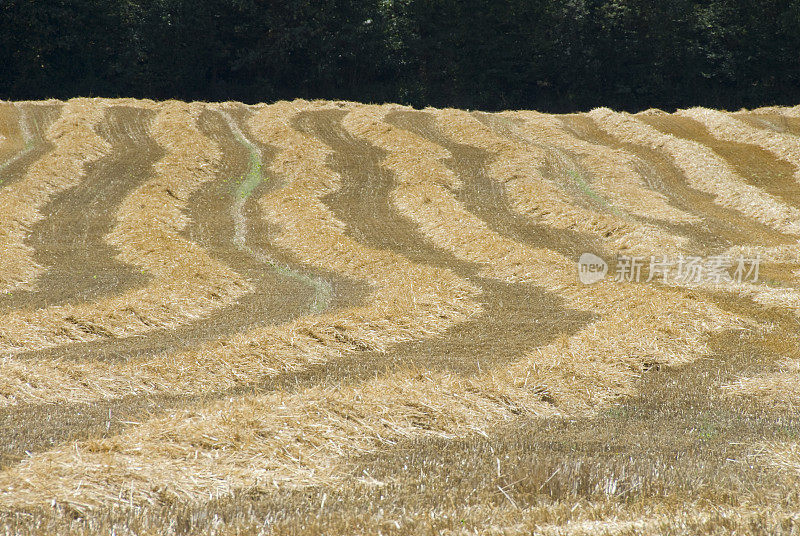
x: 552, y: 55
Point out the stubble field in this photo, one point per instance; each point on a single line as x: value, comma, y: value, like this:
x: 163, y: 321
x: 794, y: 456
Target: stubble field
x: 328, y: 317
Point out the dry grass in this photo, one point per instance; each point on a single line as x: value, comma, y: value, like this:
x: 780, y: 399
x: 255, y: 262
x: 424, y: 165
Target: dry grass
x: 76, y: 145
x: 186, y: 284
x: 738, y: 154
x: 257, y: 443
x: 439, y: 498
x: 277, y: 440
x: 422, y: 196
x: 614, y: 174
x: 219, y: 518
x: 727, y: 127
x: 570, y: 438
x: 518, y: 166
x: 783, y: 456
x: 578, y: 374
x: 13, y: 135
x: 409, y: 301
x: 704, y: 171
x: 781, y: 386
x: 783, y: 147
x: 778, y: 110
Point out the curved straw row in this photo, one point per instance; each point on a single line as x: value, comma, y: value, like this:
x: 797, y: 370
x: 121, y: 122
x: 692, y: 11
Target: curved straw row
x: 76, y: 144
x: 614, y: 175
x: 187, y: 283
x: 518, y: 167
x: 301, y: 438
x: 260, y: 442
x: 704, y: 170
x: 409, y: 301
x: 725, y: 126
x: 421, y: 197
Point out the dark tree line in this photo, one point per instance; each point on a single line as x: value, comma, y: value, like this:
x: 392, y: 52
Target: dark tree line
x: 551, y: 55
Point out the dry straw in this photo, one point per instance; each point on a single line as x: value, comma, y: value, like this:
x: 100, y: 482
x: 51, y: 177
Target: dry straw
x: 409, y: 300
x: 653, y: 315
x: 632, y: 130
x: 301, y: 438
x: 297, y: 439
x: 260, y: 442
x: 783, y: 456
x: 779, y: 387
x: 704, y: 170
x: 790, y: 112
x: 76, y: 144
x: 729, y: 128
x: 613, y: 171
x: 12, y: 135
x: 518, y: 166
x: 766, y: 110
x: 187, y: 283
x: 423, y: 194
x: 654, y: 518
x: 783, y: 146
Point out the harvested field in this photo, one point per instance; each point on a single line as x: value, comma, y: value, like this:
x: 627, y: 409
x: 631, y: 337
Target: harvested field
x: 327, y: 317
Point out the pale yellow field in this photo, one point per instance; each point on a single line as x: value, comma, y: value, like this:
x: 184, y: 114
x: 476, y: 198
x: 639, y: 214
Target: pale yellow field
x: 328, y: 317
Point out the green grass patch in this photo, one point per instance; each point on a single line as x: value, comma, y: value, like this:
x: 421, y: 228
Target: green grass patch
x: 584, y: 187
x: 246, y: 185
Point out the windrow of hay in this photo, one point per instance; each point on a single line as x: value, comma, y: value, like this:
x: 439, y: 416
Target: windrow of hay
x: 423, y: 194
x: 704, y: 170
x: 409, y: 301
x: 784, y: 146
x: 602, y: 355
x: 519, y: 168
x: 323, y: 291
x: 794, y: 111
x: 76, y: 145
x: 771, y: 297
x: 246, y: 443
x: 13, y: 133
x: 261, y: 442
x: 187, y: 283
x: 783, y: 456
x: 784, y: 298
x: 776, y: 110
x: 298, y: 439
x: 779, y: 387
x: 614, y: 172
x: 147, y: 104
